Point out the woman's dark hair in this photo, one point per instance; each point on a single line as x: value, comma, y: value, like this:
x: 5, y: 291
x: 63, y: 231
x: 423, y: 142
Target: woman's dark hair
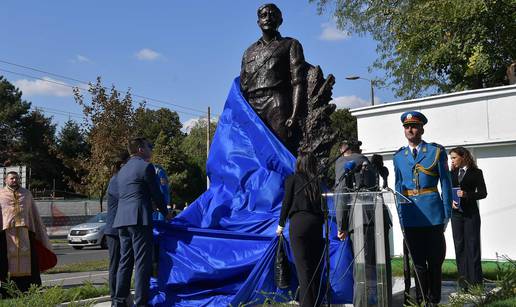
x: 119, y: 160
x: 466, y: 155
x: 306, y: 165
x: 377, y: 160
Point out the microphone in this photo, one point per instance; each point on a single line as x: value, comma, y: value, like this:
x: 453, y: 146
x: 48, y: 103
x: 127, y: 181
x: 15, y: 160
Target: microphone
x: 349, y: 168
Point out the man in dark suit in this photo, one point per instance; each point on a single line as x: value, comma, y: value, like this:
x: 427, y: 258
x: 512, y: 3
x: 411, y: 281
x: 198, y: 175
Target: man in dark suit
x: 112, y: 239
x: 138, y: 189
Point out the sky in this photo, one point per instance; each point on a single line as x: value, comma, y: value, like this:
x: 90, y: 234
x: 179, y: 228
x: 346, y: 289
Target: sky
x: 182, y: 54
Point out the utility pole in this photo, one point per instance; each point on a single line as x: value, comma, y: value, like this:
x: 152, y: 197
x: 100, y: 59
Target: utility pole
x: 208, y: 134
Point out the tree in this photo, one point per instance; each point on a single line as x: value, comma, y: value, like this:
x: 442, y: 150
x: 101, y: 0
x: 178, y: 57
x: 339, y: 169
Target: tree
x: 194, y: 144
x: 73, y: 149
x: 186, y: 181
x: 37, y: 149
x: 345, y: 125
x: 150, y: 123
x: 110, y: 123
x: 12, y: 111
x: 442, y: 45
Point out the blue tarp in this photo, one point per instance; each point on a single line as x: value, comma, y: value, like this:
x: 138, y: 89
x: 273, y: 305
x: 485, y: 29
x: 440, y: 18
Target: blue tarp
x: 220, y: 250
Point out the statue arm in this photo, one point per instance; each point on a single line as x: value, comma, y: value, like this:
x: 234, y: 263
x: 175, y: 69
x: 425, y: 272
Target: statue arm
x: 297, y: 66
x: 243, y: 76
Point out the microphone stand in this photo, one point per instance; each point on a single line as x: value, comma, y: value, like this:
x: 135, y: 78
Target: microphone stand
x: 325, y: 210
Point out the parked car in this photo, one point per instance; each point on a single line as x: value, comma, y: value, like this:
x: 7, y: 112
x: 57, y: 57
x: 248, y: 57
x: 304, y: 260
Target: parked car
x: 90, y: 233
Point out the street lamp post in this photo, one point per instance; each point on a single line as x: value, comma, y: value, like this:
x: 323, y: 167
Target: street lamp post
x: 370, y: 82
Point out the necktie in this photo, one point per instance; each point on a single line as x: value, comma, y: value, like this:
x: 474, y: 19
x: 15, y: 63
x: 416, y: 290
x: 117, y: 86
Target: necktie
x: 461, y: 174
x: 414, y: 152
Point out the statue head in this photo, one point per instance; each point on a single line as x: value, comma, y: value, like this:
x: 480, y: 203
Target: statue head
x: 269, y: 17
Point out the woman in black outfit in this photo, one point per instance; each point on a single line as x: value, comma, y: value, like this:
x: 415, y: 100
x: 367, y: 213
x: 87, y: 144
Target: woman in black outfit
x: 465, y: 215
x: 303, y: 208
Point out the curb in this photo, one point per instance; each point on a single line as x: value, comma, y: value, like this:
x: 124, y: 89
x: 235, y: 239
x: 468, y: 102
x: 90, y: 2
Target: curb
x: 94, y: 300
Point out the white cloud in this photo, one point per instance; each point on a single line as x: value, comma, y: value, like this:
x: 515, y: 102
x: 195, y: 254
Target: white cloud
x: 147, y: 54
x: 189, y: 124
x: 352, y: 102
x: 45, y: 87
x: 331, y: 33
x: 82, y: 59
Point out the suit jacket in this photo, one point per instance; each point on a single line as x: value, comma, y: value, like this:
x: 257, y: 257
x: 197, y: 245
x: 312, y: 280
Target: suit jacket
x: 112, y: 204
x: 137, y: 189
x: 474, y: 186
x: 417, y: 178
x: 293, y: 202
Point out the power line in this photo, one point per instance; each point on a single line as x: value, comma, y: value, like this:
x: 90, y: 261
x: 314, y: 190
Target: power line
x: 84, y: 89
x: 58, y: 112
x: 85, y: 82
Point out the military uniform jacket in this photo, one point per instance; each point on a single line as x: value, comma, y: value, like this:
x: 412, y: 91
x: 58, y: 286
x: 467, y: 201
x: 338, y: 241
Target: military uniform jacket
x: 278, y: 64
x: 417, y: 179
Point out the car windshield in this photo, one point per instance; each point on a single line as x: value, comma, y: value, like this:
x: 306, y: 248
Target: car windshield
x: 99, y: 218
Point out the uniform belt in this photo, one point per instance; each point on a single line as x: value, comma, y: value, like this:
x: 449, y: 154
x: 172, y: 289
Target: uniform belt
x: 420, y: 191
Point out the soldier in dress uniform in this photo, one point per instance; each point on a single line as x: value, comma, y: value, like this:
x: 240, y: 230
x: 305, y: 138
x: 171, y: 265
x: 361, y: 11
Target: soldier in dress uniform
x: 419, y: 167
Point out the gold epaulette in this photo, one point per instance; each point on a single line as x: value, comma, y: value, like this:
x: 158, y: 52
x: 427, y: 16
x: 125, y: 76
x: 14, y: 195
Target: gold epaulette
x: 428, y: 170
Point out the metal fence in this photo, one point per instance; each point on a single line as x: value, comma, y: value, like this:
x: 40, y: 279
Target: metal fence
x: 59, y: 215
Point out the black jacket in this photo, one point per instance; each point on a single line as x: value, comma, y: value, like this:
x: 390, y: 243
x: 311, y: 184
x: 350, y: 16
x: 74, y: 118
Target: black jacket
x: 293, y: 202
x: 474, y: 186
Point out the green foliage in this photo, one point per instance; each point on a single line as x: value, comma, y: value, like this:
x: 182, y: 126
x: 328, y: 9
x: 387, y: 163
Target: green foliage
x: 184, y: 181
x: 37, y: 149
x: 510, y: 302
x: 345, y: 125
x: 272, y: 299
x: 447, y: 45
x: 110, y: 123
x: 150, y: 123
x: 490, y: 269
x: 12, y: 112
x: 505, y: 289
x: 85, y: 266
x: 73, y: 149
x: 80, y: 157
x: 52, y: 296
x: 194, y: 147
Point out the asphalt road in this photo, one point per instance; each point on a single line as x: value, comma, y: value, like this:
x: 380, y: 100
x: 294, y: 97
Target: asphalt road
x: 67, y: 255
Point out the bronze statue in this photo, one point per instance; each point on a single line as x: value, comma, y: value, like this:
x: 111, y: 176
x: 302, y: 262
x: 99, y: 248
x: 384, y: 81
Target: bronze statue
x: 290, y: 95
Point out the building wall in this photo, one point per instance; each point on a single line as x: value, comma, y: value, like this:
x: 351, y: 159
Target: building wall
x: 484, y: 121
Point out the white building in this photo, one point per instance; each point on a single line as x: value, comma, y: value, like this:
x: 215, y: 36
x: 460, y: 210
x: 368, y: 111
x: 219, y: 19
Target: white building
x: 484, y: 121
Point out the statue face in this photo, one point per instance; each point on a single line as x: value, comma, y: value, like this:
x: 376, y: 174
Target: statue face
x: 269, y: 19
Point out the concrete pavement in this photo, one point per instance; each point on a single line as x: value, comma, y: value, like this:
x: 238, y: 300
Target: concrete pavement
x: 448, y: 287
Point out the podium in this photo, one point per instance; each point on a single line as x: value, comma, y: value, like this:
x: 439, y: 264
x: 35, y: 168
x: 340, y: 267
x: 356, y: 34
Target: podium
x: 367, y: 221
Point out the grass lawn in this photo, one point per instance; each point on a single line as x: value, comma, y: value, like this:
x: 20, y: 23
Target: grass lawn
x: 489, y: 268
x: 58, y: 241
x: 449, y: 268
x: 52, y: 296
x: 510, y: 302
x: 87, y: 266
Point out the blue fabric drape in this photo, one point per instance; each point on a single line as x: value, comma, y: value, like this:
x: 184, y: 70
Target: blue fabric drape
x: 220, y: 250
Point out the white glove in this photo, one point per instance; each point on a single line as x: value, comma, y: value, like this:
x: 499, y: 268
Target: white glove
x: 279, y: 231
